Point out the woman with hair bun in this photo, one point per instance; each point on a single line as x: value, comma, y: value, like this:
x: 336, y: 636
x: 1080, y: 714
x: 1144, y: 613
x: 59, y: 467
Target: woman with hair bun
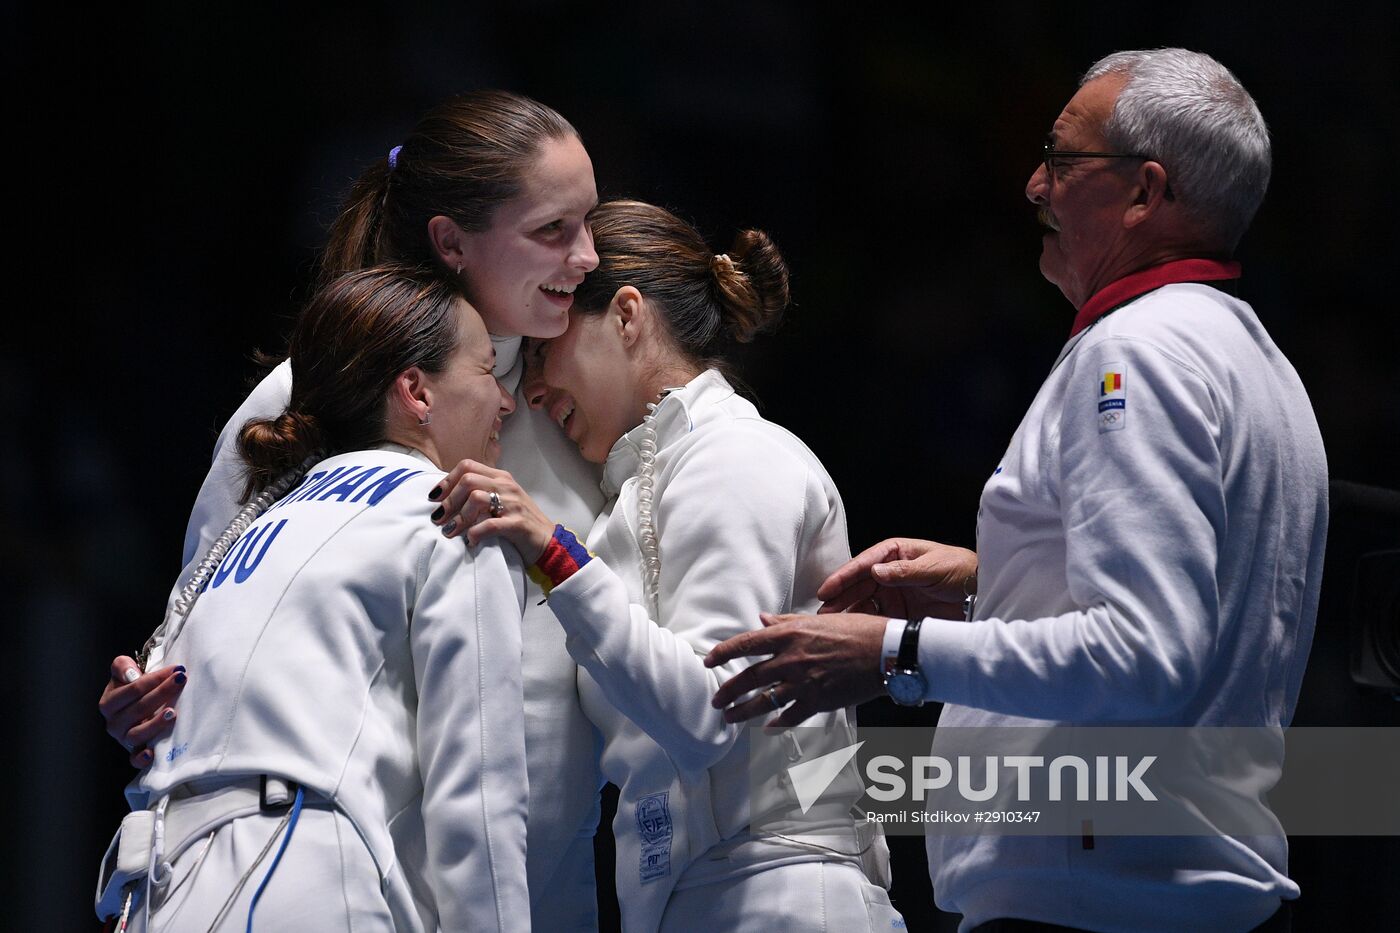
x: 351, y: 754
x: 714, y: 516
x: 494, y: 189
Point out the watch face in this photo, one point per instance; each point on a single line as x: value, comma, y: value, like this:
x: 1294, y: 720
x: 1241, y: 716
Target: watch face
x: 906, y: 687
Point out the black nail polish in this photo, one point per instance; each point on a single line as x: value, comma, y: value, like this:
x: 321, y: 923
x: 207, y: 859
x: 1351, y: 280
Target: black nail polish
x: 436, y: 494
x: 437, y: 513
x: 180, y: 667
x: 449, y: 528
x: 180, y: 678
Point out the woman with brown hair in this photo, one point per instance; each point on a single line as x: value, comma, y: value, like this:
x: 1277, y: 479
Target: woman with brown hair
x: 495, y: 189
x: 715, y: 515
x: 358, y: 702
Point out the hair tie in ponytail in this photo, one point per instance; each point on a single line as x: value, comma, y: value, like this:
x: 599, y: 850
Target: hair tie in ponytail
x: 394, y: 157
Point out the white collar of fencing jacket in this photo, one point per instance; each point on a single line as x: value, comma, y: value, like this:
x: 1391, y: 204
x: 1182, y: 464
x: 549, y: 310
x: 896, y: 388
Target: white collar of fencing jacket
x: 674, y: 416
x: 413, y: 452
x: 510, y: 362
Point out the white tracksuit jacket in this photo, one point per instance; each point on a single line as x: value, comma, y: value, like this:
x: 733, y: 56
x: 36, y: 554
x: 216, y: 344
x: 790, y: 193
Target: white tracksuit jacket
x: 1150, y: 552
x: 562, y: 745
x: 344, y: 644
x: 749, y: 522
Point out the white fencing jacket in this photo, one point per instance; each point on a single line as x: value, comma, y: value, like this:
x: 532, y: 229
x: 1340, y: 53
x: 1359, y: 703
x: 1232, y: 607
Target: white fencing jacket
x: 748, y: 522
x: 344, y: 644
x: 562, y: 744
x: 1150, y: 552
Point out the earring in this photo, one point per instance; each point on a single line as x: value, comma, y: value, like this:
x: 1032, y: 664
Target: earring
x: 427, y: 418
x: 459, y: 268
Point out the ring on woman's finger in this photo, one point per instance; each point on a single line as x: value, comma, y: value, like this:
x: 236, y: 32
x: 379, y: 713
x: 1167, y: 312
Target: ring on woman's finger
x: 497, y: 510
x: 772, y: 694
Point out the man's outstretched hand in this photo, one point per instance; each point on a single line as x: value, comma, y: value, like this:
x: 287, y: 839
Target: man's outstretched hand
x: 819, y: 663
x: 832, y: 660
x: 903, y: 578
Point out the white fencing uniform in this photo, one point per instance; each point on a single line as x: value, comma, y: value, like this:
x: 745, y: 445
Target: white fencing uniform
x: 748, y: 522
x: 345, y: 645
x: 1150, y: 552
x: 562, y: 746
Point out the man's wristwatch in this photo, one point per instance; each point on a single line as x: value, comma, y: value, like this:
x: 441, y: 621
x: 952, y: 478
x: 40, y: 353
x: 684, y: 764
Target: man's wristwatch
x: 903, y: 680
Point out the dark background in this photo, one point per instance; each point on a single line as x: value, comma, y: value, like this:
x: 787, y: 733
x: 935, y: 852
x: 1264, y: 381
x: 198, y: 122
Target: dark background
x: 170, y: 174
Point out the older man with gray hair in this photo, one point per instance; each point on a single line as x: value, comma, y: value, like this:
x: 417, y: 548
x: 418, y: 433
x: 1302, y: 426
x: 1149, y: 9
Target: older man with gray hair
x: 1149, y: 549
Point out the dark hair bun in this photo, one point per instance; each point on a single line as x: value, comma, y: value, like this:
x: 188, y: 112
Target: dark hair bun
x: 753, y: 285
x: 272, y: 446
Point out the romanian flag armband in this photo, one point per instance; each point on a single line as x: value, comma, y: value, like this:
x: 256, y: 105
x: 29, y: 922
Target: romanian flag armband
x: 562, y: 558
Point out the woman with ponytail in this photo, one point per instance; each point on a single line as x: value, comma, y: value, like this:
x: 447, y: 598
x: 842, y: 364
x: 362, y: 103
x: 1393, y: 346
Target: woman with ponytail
x: 359, y: 702
x: 715, y: 515
x: 493, y: 189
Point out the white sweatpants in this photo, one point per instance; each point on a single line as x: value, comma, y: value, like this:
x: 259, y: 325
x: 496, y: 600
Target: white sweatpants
x: 806, y: 897
x: 326, y: 881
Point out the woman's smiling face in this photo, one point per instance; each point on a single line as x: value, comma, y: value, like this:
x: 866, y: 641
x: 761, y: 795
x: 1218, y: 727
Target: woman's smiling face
x: 467, y: 402
x: 584, y: 379
x: 520, y: 273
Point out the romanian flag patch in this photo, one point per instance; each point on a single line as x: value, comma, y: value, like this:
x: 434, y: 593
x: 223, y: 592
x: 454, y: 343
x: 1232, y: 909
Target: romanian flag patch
x: 1112, y: 397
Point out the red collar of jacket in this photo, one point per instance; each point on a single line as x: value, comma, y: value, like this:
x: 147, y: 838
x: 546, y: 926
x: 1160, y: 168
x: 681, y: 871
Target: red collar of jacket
x: 1139, y: 283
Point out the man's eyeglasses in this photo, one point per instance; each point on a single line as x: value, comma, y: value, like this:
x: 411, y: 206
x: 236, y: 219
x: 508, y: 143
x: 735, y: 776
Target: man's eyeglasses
x: 1051, y: 156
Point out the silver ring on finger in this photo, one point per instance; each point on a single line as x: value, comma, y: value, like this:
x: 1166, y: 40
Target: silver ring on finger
x: 772, y: 694
x: 497, y: 510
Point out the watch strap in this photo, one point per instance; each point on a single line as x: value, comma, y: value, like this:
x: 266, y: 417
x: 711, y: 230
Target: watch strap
x: 908, y: 658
